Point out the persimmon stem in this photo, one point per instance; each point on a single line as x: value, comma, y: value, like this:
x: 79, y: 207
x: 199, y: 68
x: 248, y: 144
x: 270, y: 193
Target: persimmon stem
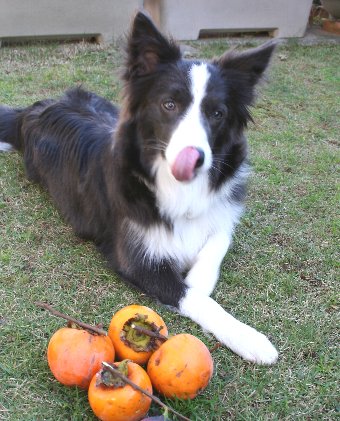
x: 115, y: 372
x: 57, y: 313
x: 149, y: 332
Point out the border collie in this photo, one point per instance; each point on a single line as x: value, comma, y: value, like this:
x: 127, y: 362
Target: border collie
x: 159, y: 185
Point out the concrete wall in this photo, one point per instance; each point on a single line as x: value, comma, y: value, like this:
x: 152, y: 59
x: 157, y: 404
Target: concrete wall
x: 107, y: 19
x: 185, y: 18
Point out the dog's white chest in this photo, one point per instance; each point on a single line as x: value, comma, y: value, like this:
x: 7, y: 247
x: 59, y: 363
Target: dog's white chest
x: 188, y: 235
x: 195, y: 213
x: 189, y: 232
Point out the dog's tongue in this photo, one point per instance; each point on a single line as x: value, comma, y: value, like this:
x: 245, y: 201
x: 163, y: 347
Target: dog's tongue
x: 185, y: 164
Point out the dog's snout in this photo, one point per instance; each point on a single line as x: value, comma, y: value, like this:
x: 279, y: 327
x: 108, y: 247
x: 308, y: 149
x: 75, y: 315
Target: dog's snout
x: 201, y: 156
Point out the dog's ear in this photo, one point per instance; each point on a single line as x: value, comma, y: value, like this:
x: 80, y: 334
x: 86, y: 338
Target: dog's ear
x: 242, y: 71
x: 250, y: 65
x: 147, y: 48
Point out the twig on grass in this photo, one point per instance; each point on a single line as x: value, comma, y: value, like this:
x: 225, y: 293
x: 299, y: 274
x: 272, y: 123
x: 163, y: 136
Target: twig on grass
x: 115, y: 372
x: 216, y: 346
x: 57, y: 313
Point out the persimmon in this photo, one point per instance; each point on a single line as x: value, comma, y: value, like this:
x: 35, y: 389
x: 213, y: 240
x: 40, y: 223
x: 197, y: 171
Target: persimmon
x: 75, y: 355
x: 111, y: 399
x: 131, y: 343
x: 181, y: 367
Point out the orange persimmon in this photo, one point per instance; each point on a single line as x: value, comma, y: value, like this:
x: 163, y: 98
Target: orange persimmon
x: 181, y: 367
x: 111, y: 399
x: 130, y: 343
x: 75, y: 355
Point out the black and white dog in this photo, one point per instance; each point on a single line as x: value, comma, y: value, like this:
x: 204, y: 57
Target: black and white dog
x: 159, y: 185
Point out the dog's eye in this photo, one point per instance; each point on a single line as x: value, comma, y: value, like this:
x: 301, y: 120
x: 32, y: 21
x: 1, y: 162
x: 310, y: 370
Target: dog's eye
x: 217, y: 114
x: 169, y: 105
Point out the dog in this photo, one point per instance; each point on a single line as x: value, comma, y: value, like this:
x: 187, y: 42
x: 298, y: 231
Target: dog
x: 159, y: 185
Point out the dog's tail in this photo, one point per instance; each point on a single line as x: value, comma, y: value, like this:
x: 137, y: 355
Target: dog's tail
x: 10, y: 128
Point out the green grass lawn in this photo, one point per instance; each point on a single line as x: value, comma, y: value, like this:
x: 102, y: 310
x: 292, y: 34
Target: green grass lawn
x: 280, y: 276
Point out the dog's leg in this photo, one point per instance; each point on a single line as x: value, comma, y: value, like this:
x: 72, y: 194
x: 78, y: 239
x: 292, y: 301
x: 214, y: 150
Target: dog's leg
x: 242, y: 339
x: 205, y: 272
x: 163, y: 281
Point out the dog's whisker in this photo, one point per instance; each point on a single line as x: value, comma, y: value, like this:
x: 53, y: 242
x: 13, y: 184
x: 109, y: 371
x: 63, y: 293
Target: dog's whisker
x: 156, y: 144
x: 218, y: 170
x: 224, y: 164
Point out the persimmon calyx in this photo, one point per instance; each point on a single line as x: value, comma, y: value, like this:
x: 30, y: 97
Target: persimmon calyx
x: 109, y: 379
x: 141, y: 335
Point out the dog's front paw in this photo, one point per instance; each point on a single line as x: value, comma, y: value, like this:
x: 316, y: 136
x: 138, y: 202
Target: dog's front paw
x: 252, y: 345
x: 242, y: 339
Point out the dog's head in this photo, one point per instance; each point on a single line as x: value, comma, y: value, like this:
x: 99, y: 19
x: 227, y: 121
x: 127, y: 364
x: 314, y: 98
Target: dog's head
x: 189, y: 114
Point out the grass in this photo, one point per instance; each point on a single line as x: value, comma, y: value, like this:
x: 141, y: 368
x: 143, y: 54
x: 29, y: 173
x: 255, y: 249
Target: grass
x: 280, y: 276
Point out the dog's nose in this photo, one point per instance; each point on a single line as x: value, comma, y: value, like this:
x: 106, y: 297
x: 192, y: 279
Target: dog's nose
x: 200, y: 160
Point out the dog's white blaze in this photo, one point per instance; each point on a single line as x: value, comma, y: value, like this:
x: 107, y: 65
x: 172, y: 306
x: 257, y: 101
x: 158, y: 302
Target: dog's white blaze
x: 5, y: 147
x: 240, y: 338
x: 190, y: 130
